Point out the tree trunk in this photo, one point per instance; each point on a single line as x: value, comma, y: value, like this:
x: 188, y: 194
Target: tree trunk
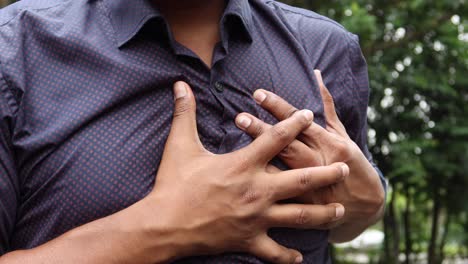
x: 386, y: 223
x: 431, y: 253
x: 332, y: 251
x: 465, y: 254
x: 407, y: 225
x: 392, y: 233
x: 443, y: 240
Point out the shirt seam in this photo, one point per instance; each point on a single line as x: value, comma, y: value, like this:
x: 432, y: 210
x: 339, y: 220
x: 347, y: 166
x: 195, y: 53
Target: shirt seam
x: 28, y: 8
x: 8, y: 94
x: 342, y: 30
x: 350, y: 54
x: 305, y: 15
x: 349, y: 74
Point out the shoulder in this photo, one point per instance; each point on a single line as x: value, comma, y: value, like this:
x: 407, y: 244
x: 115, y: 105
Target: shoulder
x: 16, y: 10
x: 27, y: 21
x: 23, y: 19
x: 23, y: 25
x: 308, y: 25
x: 296, y: 13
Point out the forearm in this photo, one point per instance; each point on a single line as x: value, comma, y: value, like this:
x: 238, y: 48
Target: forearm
x: 125, y: 237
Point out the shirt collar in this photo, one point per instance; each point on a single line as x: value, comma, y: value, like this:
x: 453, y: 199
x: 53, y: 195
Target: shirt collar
x: 241, y: 10
x: 129, y: 17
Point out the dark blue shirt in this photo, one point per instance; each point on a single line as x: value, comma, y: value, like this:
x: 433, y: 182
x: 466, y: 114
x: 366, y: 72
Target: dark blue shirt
x: 86, y: 103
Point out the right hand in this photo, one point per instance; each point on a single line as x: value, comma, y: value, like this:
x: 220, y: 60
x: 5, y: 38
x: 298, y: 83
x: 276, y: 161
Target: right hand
x: 226, y: 203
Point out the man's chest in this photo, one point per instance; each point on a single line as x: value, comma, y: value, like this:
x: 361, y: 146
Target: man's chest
x: 89, y: 139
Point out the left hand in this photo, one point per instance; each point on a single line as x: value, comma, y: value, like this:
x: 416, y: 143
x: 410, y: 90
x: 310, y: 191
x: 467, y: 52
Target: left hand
x: 361, y: 193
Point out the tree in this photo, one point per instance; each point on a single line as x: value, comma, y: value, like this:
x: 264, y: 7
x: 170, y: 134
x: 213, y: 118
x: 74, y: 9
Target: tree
x: 417, y: 53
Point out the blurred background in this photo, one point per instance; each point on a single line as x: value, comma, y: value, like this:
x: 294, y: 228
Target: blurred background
x: 417, y: 52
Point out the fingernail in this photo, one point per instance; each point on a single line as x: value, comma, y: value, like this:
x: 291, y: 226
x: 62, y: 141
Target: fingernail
x: 308, y: 115
x: 259, y: 96
x: 339, y: 211
x: 244, y: 122
x: 299, y: 260
x: 180, y: 90
x: 345, y: 170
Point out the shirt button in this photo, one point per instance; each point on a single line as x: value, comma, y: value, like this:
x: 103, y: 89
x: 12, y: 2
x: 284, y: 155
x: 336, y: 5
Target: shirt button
x: 219, y: 87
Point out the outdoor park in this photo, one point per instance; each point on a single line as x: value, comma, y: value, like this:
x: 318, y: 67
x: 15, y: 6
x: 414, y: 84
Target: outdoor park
x: 417, y: 55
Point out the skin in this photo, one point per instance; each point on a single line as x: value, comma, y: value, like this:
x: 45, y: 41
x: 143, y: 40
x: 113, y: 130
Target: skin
x: 361, y: 193
x: 194, y: 24
x: 243, y: 191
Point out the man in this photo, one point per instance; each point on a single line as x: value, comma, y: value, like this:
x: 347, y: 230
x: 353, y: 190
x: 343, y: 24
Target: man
x: 86, y: 125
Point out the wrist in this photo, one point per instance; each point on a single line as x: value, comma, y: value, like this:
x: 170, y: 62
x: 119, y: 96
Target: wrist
x: 165, y: 230
x: 163, y: 240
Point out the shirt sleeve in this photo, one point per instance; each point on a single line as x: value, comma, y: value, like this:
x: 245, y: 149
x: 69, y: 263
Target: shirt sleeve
x: 358, y: 79
x: 8, y: 176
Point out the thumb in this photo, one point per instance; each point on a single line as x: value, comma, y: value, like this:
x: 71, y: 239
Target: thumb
x: 184, y: 123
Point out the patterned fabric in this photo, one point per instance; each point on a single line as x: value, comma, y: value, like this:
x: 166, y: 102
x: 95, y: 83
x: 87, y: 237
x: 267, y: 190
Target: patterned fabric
x: 86, y: 103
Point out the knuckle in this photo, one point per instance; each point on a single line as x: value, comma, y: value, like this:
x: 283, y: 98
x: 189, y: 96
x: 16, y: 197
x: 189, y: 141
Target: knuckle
x: 276, y: 257
x: 328, y: 101
x: 373, y: 203
x: 182, y: 107
x: 316, y: 134
x: 250, y: 195
x: 338, y: 172
x: 290, y: 112
x: 342, y: 148
x: 257, y: 129
x: 242, y: 163
x: 270, y: 192
x: 280, y: 132
x: 302, y: 217
x: 304, y: 179
x: 248, y: 244
x: 288, y: 152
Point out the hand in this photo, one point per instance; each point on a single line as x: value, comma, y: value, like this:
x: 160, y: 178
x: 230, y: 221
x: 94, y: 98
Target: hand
x: 361, y: 193
x: 226, y: 203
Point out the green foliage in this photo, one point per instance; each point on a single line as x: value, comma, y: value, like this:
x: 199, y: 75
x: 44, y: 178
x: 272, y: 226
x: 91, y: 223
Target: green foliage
x: 417, y: 53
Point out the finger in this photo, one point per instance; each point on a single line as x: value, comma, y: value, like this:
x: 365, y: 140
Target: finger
x: 272, y: 169
x: 281, y: 109
x: 293, y: 183
x: 330, y: 225
x: 304, y: 216
x: 276, y: 138
x: 314, y: 136
x: 266, y: 248
x: 331, y: 117
x: 184, y: 124
x: 274, y: 104
x: 298, y: 155
x: 327, y: 99
x: 295, y: 155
